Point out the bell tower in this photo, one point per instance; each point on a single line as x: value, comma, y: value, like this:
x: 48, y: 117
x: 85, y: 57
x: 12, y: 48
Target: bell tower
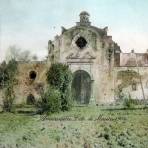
x: 84, y: 19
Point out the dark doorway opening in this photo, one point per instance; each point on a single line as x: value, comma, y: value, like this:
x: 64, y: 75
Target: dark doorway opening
x: 30, y: 99
x: 81, y: 87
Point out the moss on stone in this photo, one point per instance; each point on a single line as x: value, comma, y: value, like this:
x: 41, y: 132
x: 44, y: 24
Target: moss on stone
x: 127, y: 77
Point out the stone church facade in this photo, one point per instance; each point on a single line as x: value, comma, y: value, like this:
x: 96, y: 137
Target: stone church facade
x: 85, y: 49
x: 101, y: 72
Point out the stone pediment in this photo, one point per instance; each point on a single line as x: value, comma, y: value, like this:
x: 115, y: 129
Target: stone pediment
x: 88, y: 55
x: 77, y: 55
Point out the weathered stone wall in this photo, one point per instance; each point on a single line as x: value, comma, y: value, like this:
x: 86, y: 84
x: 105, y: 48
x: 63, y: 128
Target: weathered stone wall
x: 134, y: 59
x: 132, y: 79
x: 94, y: 58
x: 88, y: 48
x: 27, y: 85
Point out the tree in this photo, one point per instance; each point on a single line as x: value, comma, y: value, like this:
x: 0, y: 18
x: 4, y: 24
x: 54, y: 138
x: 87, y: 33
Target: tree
x: 7, y: 82
x: 9, y: 98
x: 18, y: 54
x: 3, y: 74
x: 60, y: 77
x: 24, y: 56
x: 50, y: 101
x: 34, y: 57
x: 7, y: 73
x: 12, y: 53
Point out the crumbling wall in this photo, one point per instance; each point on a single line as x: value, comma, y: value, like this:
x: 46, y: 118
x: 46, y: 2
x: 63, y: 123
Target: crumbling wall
x: 31, y: 80
x: 134, y: 59
x: 127, y: 79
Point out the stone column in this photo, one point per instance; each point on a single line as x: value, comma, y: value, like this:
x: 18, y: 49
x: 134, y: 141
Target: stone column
x: 92, y: 99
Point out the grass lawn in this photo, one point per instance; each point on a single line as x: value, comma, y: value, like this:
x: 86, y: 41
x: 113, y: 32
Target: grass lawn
x: 82, y: 127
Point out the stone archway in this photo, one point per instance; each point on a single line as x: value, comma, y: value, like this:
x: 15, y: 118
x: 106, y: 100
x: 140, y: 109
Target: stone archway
x: 81, y: 87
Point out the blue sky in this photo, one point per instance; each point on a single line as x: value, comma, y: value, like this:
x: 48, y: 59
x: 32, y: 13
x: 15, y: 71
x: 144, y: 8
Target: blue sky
x: 29, y: 24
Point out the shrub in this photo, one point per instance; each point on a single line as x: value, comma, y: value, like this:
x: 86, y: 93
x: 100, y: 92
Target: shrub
x: 66, y: 100
x: 128, y: 102
x: 50, y: 101
x: 7, y: 82
x: 3, y: 74
x: 7, y: 73
x: 60, y: 77
x: 8, y: 100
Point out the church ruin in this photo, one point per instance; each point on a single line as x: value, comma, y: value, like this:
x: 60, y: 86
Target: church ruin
x: 100, y: 69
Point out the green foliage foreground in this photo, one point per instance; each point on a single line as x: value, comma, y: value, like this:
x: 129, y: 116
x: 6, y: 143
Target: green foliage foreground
x: 81, y: 126
x: 50, y: 101
x: 59, y: 76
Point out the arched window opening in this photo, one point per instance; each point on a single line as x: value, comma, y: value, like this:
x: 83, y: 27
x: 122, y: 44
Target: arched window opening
x: 32, y: 75
x: 134, y: 87
x: 81, y: 42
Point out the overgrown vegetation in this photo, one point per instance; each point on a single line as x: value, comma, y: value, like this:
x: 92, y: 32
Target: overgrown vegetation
x: 89, y: 126
x: 7, y: 82
x: 57, y: 96
x: 50, y: 101
x: 127, y: 77
x: 7, y: 73
x: 128, y: 102
x: 8, y: 100
x: 59, y: 76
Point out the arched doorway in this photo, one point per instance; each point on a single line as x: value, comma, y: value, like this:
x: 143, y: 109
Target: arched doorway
x: 30, y: 99
x: 81, y: 87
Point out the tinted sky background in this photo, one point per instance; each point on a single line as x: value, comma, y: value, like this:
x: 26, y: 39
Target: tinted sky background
x: 29, y: 24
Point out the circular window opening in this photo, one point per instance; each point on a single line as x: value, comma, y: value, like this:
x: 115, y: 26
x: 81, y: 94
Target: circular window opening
x: 30, y: 99
x: 81, y: 42
x: 32, y: 75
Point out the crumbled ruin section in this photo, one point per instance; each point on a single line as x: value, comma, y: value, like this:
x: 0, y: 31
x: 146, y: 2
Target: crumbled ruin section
x: 134, y: 59
x: 31, y: 81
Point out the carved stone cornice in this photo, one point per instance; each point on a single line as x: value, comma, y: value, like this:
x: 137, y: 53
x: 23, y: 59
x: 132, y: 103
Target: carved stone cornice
x: 77, y: 55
